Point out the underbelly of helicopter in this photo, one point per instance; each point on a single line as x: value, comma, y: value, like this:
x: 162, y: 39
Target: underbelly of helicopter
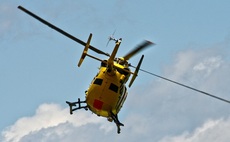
x: 102, y: 104
x: 103, y: 108
x: 104, y: 99
x: 100, y: 108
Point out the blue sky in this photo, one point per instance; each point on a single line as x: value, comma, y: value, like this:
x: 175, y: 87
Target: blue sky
x: 38, y: 69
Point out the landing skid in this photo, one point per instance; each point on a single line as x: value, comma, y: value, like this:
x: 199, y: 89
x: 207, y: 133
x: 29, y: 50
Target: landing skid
x: 79, y: 103
x: 73, y: 104
x: 117, y: 122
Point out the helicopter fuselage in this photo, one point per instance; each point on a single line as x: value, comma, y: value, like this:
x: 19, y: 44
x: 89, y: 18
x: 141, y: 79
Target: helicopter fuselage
x: 107, y: 92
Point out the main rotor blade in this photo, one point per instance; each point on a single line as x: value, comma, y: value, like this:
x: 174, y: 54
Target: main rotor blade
x: 194, y: 89
x: 61, y: 31
x: 139, y: 48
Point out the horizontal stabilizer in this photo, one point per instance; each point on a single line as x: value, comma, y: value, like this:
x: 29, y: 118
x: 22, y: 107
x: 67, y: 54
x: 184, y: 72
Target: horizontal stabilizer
x: 85, y: 50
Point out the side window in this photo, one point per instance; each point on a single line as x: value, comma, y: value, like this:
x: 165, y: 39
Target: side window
x: 98, y: 81
x: 113, y: 87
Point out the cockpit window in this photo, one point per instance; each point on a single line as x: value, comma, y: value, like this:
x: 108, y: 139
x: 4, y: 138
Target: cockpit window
x: 98, y: 81
x: 113, y: 87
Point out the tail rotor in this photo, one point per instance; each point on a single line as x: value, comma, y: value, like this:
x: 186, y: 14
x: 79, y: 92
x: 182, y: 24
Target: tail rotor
x: 111, y: 37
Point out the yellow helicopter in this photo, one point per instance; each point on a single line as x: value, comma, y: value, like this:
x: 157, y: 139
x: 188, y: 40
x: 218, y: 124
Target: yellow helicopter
x: 107, y: 91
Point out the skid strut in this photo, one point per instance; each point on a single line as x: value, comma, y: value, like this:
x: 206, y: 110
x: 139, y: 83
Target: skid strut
x: 117, y: 122
x: 73, y: 104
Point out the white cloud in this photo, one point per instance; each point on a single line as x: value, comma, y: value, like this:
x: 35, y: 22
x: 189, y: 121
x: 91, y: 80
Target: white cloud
x: 9, y: 25
x: 208, y: 65
x: 47, y: 116
x: 211, y: 131
x: 6, y: 20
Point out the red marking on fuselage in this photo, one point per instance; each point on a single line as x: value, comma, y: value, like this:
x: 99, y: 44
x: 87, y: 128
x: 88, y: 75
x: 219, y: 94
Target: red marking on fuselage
x: 97, y: 104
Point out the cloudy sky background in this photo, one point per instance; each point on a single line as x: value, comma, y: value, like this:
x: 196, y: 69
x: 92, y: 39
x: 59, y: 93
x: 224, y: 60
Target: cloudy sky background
x: 38, y: 70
